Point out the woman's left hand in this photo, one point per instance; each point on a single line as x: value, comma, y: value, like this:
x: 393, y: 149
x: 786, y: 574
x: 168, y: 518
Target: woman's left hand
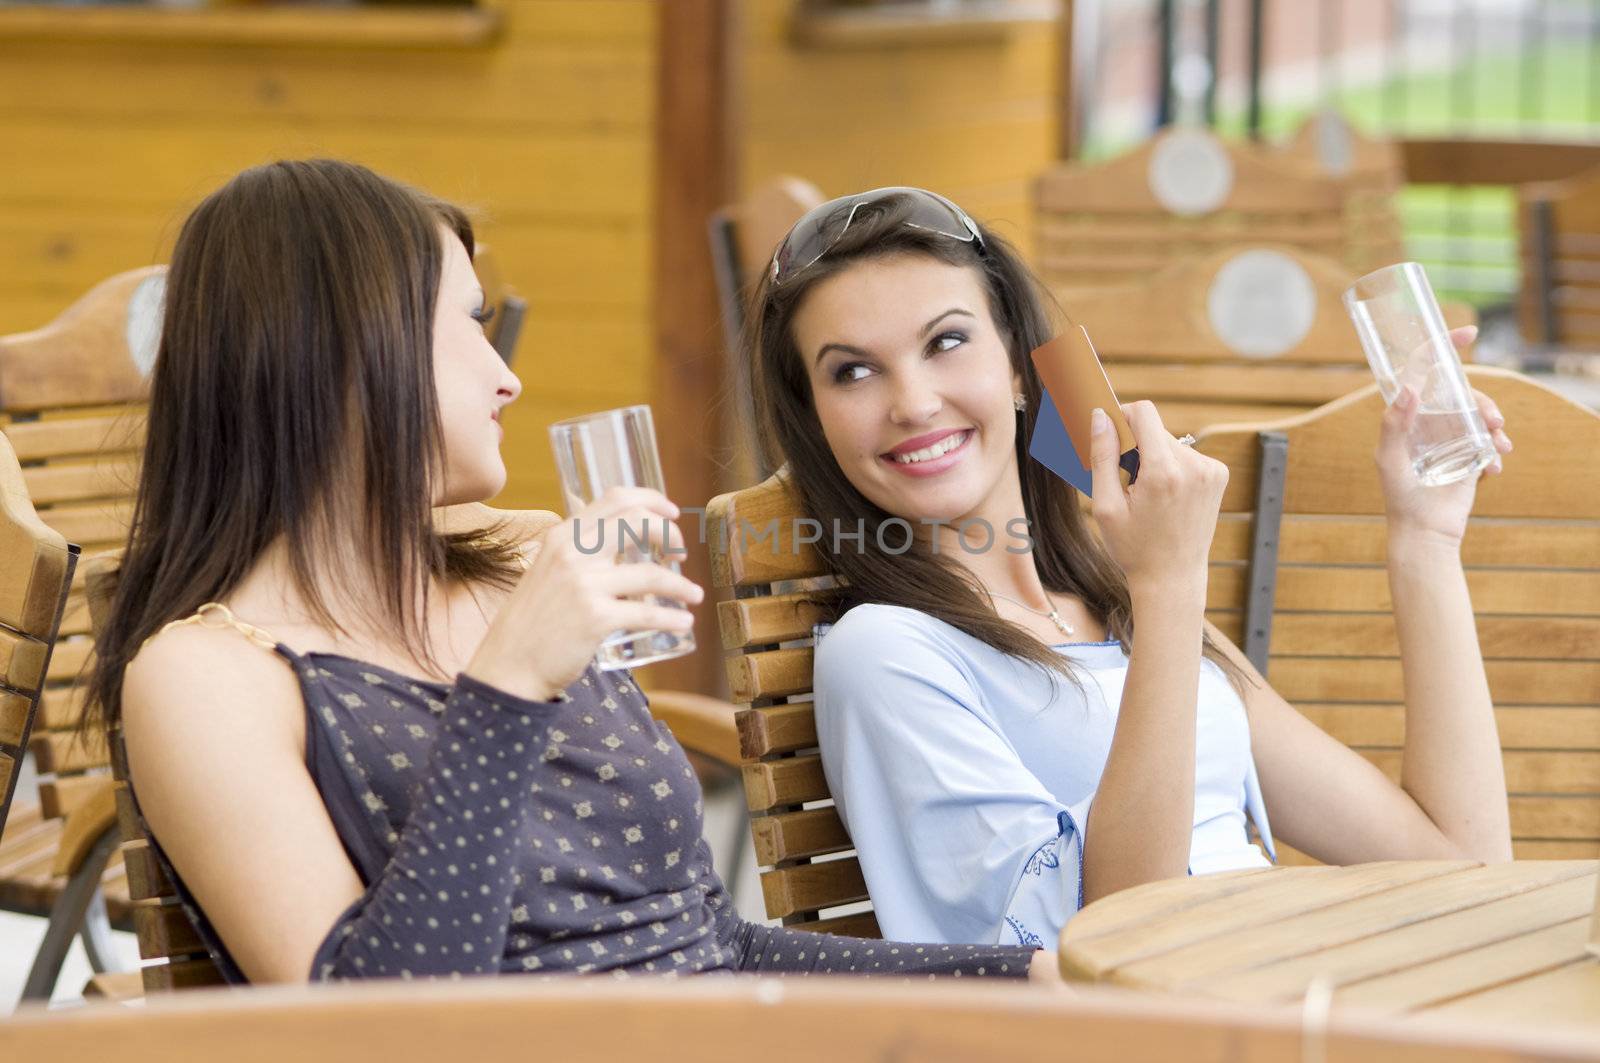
x: 1436, y: 513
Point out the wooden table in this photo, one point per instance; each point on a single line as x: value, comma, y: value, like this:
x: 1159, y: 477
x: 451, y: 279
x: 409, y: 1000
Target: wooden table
x: 1500, y: 942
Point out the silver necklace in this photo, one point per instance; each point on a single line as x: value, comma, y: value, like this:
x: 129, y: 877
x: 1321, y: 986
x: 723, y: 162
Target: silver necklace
x: 1054, y: 617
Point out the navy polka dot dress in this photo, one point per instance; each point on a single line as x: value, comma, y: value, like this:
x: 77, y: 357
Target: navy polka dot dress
x: 499, y: 835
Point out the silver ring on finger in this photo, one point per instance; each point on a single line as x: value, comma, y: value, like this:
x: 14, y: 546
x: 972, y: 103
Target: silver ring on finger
x: 1185, y: 440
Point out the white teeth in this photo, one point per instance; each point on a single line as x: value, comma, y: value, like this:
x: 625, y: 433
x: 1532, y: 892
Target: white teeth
x: 939, y: 449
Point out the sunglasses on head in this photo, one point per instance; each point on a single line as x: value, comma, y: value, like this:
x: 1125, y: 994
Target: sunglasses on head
x: 815, y: 234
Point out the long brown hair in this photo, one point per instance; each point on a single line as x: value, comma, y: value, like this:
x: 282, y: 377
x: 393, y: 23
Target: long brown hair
x: 293, y: 397
x: 1069, y: 556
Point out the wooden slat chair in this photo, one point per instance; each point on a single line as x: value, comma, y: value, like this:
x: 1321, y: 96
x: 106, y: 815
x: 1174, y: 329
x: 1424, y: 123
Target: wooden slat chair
x: 1372, y: 173
x: 1298, y: 580
x: 174, y: 952
x: 70, y: 396
x: 36, y: 567
x: 780, y: 587
x: 1101, y: 223
x: 1559, y: 233
x: 1189, y: 337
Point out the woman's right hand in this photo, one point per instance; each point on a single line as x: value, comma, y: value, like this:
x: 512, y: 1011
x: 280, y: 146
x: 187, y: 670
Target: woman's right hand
x: 569, y: 600
x: 1159, y: 529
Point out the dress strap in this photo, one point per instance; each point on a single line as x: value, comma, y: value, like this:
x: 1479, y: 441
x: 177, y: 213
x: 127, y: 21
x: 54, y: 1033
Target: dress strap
x: 217, y: 615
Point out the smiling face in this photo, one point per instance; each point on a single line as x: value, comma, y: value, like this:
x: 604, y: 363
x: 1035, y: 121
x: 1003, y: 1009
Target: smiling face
x: 472, y: 382
x: 914, y: 388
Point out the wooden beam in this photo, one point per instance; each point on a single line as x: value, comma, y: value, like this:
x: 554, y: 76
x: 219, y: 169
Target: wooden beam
x: 290, y: 26
x: 1066, y: 94
x: 694, y: 176
x: 1496, y: 162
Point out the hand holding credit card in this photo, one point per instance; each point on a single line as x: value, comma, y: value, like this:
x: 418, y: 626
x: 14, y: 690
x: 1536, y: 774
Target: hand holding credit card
x: 1075, y: 383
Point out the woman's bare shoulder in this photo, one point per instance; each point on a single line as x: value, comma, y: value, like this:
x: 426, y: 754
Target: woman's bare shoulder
x: 198, y: 678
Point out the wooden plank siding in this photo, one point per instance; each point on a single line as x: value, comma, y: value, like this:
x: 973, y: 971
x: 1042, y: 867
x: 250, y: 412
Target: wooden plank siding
x: 546, y: 131
x: 974, y: 120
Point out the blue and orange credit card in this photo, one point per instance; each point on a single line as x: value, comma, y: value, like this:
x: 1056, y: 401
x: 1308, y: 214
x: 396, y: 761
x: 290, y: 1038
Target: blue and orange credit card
x: 1075, y: 383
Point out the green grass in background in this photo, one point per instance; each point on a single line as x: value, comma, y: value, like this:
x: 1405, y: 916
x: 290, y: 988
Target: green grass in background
x: 1466, y: 236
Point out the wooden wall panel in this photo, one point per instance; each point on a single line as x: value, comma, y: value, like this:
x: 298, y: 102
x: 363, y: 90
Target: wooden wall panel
x: 974, y: 120
x: 547, y: 133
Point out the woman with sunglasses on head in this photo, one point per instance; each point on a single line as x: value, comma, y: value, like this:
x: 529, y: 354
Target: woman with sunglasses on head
x: 1002, y: 745
x: 418, y: 772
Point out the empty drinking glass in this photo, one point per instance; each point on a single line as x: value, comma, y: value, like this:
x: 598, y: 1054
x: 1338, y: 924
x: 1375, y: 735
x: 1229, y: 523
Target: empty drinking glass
x: 1403, y: 333
x: 595, y: 453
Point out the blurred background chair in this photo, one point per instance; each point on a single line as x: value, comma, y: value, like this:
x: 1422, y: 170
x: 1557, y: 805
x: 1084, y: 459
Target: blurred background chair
x: 70, y: 396
x: 1243, y: 333
x: 744, y: 236
x: 1371, y: 172
x: 1297, y: 579
x: 1559, y: 304
x: 1184, y: 191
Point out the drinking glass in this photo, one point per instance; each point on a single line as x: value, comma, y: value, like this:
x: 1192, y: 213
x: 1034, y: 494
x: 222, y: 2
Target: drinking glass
x: 1403, y: 333
x: 617, y: 448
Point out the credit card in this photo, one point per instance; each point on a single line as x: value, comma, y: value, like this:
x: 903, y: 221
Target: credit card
x: 1075, y: 383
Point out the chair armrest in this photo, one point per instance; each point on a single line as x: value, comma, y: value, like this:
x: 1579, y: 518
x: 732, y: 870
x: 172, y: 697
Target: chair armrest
x: 85, y: 825
x: 702, y: 725
x: 118, y: 986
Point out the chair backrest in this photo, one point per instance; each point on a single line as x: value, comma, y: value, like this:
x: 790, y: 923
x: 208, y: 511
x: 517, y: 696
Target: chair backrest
x: 1184, y: 192
x: 36, y: 567
x: 175, y: 955
x: 1372, y: 173
x: 1559, y: 233
x: 1298, y: 579
x: 780, y: 591
x: 1244, y: 333
x: 71, y: 405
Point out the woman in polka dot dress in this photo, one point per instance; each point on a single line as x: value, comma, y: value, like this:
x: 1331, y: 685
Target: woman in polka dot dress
x: 369, y: 746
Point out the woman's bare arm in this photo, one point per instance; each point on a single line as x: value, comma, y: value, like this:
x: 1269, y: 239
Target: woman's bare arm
x: 1324, y: 798
x: 1451, y: 800
x: 1141, y: 824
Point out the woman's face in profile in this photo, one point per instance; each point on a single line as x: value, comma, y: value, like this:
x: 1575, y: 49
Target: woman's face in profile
x: 472, y: 382
x: 912, y: 385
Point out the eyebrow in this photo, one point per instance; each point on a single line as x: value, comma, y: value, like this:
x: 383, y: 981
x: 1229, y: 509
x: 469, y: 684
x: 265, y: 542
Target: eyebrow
x: 953, y: 310
x: 859, y: 353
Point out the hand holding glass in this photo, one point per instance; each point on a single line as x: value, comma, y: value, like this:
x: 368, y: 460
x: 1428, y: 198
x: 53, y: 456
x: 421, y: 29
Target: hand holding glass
x: 1403, y: 333
x: 595, y: 453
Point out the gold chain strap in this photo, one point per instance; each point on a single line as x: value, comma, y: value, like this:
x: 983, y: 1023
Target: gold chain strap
x: 219, y: 616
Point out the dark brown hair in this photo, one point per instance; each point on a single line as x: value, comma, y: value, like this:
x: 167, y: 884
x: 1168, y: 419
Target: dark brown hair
x: 293, y: 397
x: 1069, y: 556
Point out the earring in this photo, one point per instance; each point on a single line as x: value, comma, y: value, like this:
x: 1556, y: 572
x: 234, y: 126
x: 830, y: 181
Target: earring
x: 1020, y: 403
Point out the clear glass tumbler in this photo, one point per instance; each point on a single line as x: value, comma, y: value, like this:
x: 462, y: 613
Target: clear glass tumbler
x: 594, y: 453
x: 1403, y: 333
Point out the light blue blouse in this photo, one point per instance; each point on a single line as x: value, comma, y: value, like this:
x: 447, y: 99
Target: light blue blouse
x: 965, y: 775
